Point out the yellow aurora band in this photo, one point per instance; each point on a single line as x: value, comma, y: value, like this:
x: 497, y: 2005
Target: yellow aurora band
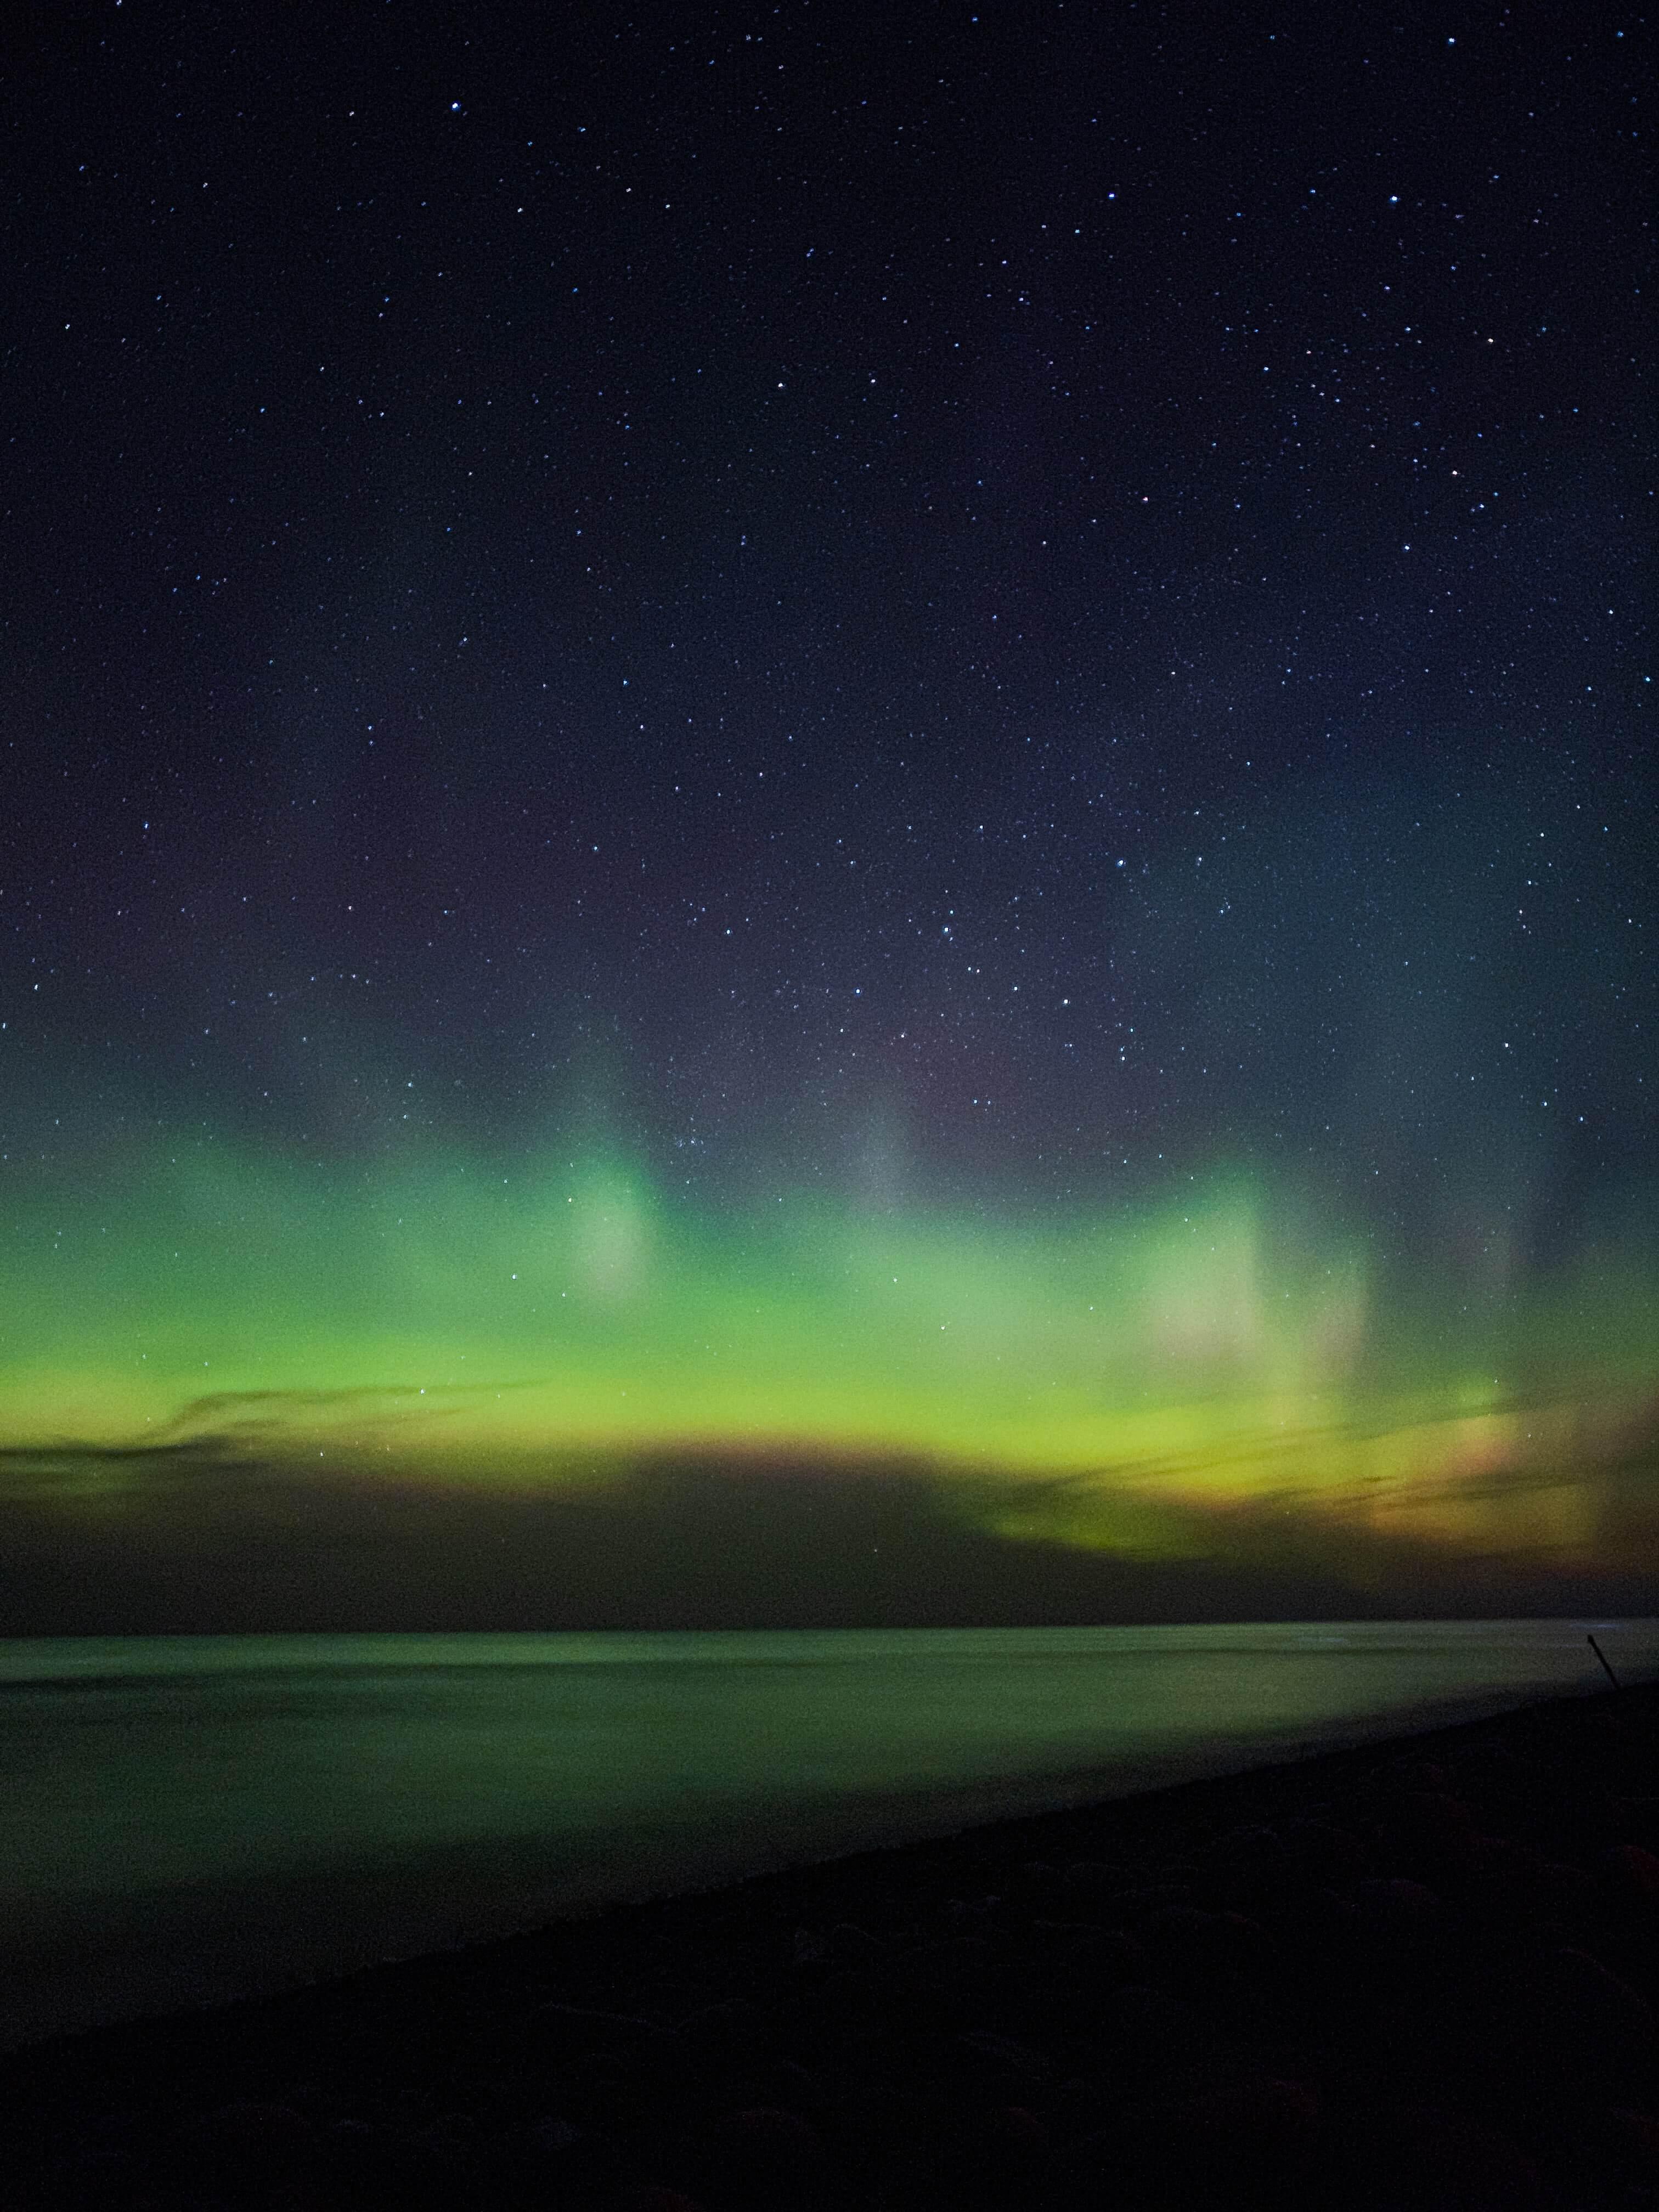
x: 1220, y: 1347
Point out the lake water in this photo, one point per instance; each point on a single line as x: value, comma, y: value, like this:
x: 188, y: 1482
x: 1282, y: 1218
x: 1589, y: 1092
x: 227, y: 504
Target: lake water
x: 188, y: 1818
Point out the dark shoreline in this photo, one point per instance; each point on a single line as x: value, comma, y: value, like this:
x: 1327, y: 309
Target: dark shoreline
x: 136, y: 1955
x: 1420, y: 1972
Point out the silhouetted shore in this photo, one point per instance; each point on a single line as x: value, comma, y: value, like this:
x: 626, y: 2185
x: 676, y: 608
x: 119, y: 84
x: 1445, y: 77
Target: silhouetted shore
x: 1418, y: 1974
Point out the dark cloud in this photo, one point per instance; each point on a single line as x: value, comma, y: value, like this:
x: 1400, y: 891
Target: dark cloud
x: 209, y: 1537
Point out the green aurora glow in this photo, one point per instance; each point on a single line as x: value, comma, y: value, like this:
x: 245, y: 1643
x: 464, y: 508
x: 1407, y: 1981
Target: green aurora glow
x: 465, y: 1321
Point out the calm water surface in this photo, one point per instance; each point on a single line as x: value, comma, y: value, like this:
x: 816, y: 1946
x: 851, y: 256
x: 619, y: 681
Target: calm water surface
x: 185, y: 1818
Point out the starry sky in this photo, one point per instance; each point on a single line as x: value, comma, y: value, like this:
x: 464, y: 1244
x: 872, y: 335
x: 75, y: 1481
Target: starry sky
x: 809, y: 820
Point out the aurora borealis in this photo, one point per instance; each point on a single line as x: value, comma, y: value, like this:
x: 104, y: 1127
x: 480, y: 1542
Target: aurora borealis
x: 1204, y: 1380
x: 832, y: 835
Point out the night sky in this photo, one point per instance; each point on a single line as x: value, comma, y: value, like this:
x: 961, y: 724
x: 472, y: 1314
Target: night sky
x: 807, y: 819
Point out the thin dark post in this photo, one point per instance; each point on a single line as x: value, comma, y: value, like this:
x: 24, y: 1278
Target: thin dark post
x: 1596, y: 1648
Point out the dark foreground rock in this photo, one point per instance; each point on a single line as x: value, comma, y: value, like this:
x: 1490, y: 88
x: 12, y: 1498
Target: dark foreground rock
x: 1416, y: 1978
